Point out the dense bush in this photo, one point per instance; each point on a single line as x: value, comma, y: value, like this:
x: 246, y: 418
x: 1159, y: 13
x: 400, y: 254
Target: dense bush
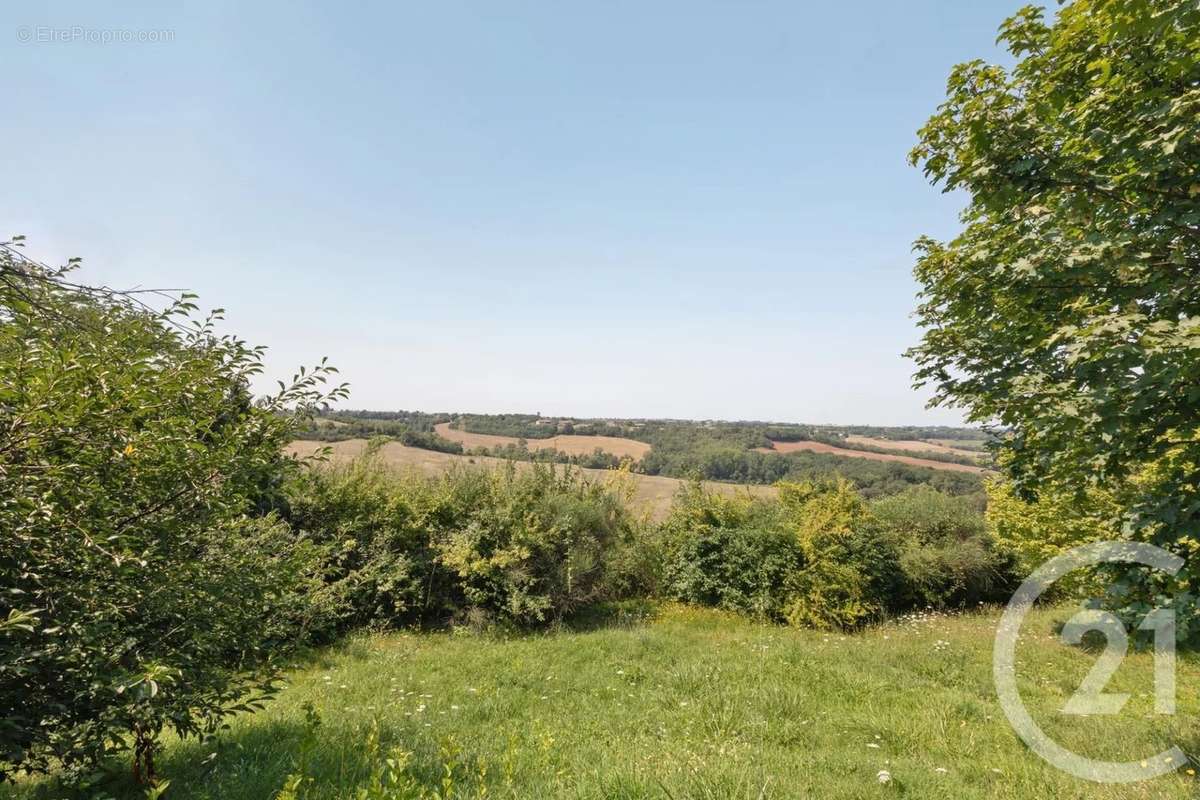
x: 371, y: 528
x: 850, y: 569
x: 140, y: 593
x: 523, y: 546
x: 947, y: 555
x: 730, y: 552
x: 528, y: 545
x: 1031, y: 532
x: 822, y: 556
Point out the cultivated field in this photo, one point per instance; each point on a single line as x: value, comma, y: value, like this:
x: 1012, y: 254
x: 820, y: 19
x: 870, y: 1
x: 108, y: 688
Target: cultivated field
x: 912, y: 445
x: 821, y: 447
x: 965, y: 445
x: 571, y: 445
x: 651, y: 494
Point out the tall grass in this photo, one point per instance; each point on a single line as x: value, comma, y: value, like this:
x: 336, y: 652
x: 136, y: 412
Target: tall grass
x: 681, y: 703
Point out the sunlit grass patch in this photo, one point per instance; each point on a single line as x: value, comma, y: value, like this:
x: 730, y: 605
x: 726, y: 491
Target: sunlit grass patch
x: 690, y: 703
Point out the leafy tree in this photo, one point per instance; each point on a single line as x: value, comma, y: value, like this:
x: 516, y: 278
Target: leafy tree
x: 1032, y: 532
x: 141, y: 588
x: 1068, y: 308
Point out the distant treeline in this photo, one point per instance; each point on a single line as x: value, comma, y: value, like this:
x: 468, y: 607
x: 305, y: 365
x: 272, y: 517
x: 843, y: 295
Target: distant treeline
x: 726, y: 451
x: 597, y: 459
x: 872, y: 478
x: 430, y: 441
x: 532, y: 426
x: 918, y: 432
x: 720, y: 451
x: 335, y: 426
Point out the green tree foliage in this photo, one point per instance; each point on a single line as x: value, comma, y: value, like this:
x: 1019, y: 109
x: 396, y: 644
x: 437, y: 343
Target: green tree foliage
x: 1034, y: 531
x: 521, y: 546
x: 1068, y: 308
x: 430, y: 441
x: 334, y: 426
x: 140, y: 589
x: 947, y: 553
x: 734, y: 553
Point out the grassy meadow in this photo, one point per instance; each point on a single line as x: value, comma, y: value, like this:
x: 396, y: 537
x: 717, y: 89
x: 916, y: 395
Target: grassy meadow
x: 674, y: 702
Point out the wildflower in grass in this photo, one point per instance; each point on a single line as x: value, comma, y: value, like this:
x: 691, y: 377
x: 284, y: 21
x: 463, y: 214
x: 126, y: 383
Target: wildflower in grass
x: 884, y: 776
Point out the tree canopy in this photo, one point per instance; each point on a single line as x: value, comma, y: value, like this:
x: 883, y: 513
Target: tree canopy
x: 1068, y: 308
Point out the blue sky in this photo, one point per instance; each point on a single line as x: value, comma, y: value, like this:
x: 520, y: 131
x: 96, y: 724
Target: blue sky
x: 665, y: 209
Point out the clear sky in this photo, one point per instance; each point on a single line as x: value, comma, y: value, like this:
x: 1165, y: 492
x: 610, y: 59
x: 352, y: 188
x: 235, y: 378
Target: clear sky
x: 665, y: 209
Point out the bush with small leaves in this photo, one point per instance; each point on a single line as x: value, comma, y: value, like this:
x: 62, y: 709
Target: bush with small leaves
x: 142, y: 589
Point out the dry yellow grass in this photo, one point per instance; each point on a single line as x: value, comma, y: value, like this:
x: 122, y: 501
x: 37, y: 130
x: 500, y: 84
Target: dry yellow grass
x: 571, y: 445
x: 821, y: 447
x: 651, y: 494
x: 911, y: 445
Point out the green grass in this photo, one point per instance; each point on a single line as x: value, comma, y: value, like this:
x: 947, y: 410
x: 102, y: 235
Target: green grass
x: 690, y: 704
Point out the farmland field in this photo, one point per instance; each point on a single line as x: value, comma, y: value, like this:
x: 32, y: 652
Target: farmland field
x: 967, y: 445
x: 569, y: 444
x: 651, y: 493
x: 912, y: 445
x: 821, y: 447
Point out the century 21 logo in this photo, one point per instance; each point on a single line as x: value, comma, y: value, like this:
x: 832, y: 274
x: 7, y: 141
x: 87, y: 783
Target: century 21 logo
x: 1091, y: 698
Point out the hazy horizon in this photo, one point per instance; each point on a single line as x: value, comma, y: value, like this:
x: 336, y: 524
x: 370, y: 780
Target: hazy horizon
x: 690, y: 211
x: 351, y: 409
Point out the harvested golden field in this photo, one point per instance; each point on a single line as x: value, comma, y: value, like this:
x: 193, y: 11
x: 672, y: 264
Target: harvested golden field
x: 911, y: 445
x: 962, y: 445
x: 821, y: 447
x: 571, y: 445
x: 651, y: 494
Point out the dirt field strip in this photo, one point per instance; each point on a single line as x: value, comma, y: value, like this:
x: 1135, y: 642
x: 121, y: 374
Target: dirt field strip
x: 652, y: 493
x: 911, y: 445
x: 571, y: 445
x: 821, y: 447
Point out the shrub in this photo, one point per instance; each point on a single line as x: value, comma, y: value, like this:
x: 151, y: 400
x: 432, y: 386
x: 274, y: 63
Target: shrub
x: 730, y: 552
x: 821, y: 556
x: 142, y: 594
x: 1036, y: 531
x: 371, y: 526
x: 849, y: 564
x: 528, y: 545
x: 522, y: 546
x: 947, y: 556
